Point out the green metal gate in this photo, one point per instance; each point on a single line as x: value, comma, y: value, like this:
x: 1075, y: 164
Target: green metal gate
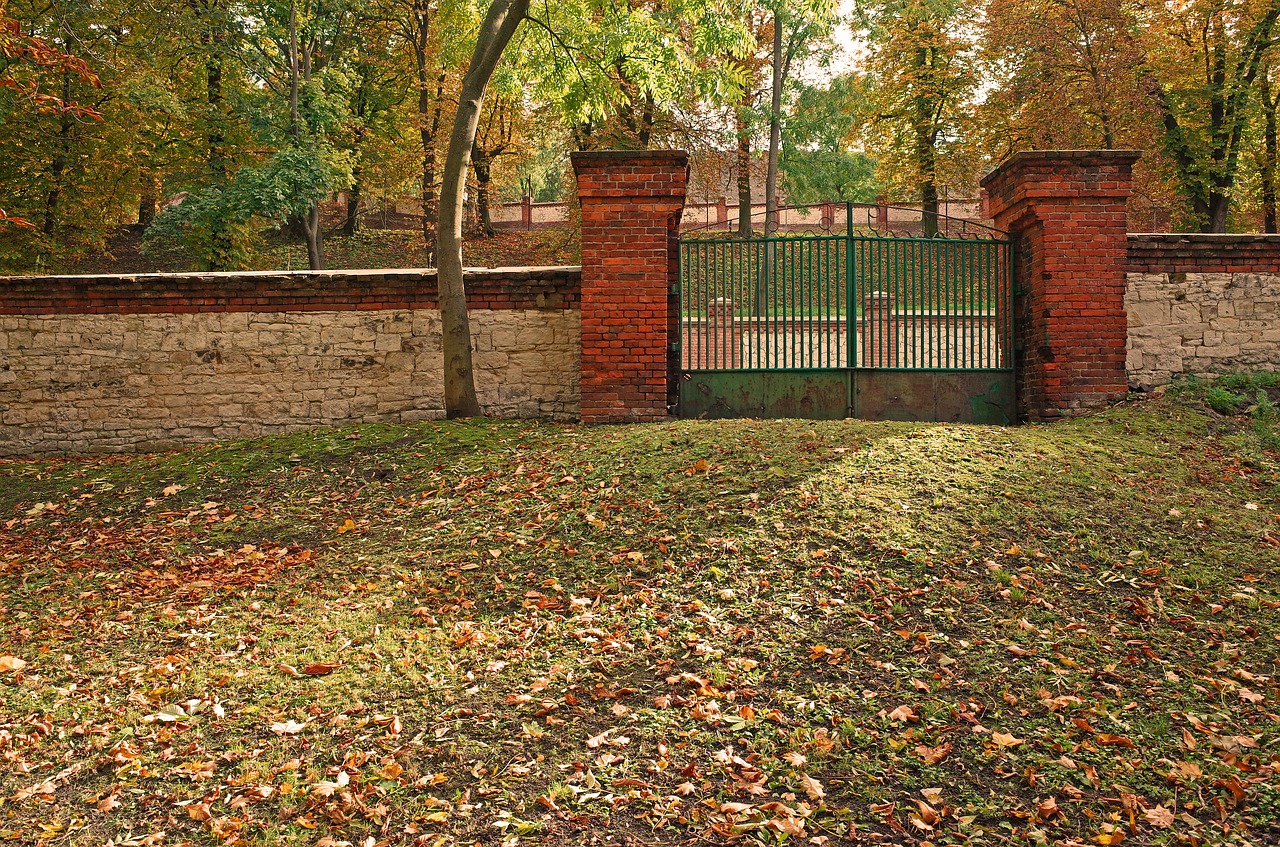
x: 863, y: 323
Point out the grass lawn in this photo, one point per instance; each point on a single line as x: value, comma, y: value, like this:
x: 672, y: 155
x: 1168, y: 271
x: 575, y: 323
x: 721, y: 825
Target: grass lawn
x: 686, y: 633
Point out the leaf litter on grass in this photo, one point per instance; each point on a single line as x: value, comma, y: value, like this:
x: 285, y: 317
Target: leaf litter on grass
x: 738, y: 631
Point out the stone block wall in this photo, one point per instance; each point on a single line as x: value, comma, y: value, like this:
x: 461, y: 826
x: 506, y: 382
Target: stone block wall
x: 105, y: 364
x: 1201, y: 304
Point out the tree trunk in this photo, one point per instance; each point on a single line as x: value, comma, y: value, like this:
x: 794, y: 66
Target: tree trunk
x: 926, y: 154
x: 148, y: 196
x: 314, y: 236
x: 744, y: 171
x: 428, y: 128
x: 352, y: 224
x: 500, y: 23
x: 775, y: 134
x: 58, y: 166
x: 213, y: 38
x: 482, y: 167
x: 1269, y: 154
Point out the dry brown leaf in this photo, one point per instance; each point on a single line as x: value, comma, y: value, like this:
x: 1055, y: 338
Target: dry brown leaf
x: 1159, y: 817
x: 933, y: 755
x: 320, y: 668
x: 199, y: 811
x: 1113, y: 740
x: 1249, y: 696
x: 1004, y: 739
x: 903, y: 713
x: 812, y: 787
x: 11, y: 664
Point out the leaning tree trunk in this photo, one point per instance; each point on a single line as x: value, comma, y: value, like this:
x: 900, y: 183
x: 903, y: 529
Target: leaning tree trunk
x: 500, y: 23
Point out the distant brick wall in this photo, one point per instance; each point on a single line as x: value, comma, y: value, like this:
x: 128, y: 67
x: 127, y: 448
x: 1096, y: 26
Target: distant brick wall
x: 1202, y: 304
x: 1066, y: 213
x: 103, y: 364
x: 631, y: 208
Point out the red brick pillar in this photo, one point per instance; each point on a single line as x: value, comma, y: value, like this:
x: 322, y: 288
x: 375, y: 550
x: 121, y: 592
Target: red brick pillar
x: 879, y: 331
x: 1065, y: 211
x: 631, y: 206
x: 722, y: 211
x: 526, y: 212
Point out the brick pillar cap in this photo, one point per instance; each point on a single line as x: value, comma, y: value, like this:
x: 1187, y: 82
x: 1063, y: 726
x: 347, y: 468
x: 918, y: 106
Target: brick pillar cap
x: 1080, y: 158
x: 613, y: 158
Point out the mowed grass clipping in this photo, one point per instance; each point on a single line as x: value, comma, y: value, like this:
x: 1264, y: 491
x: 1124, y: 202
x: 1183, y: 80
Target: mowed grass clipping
x: 687, y: 633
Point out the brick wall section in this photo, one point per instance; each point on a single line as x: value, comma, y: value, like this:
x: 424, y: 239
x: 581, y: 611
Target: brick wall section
x: 1066, y: 213
x: 631, y: 207
x: 285, y: 291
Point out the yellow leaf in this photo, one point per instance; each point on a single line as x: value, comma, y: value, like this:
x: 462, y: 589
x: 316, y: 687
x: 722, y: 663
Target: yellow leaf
x: 347, y: 526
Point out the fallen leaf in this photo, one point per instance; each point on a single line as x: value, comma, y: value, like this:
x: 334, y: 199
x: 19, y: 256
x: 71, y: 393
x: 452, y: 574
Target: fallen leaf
x: 171, y: 713
x: 289, y: 727
x: 108, y: 804
x: 1249, y: 696
x: 1004, y: 739
x: 1113, y: 740
x: 933, y: 755
x: 11, y: 663
x: 933, y: 795
x: 812, y: 787
x: 1159, y: 817
x: 1190, y: 770
x: 904, y: 714
x: 320, y: 668
x: 199, y: 811
x: 797, y: 760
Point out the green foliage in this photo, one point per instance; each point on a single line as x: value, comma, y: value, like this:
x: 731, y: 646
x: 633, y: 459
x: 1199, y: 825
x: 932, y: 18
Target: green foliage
x: 221, y: 225
x: 817, y: 163
x: 210, y: 223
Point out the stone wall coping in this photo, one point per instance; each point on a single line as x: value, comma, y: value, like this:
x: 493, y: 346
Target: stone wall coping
x: 476, y: 273
x: 1206, y: 238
